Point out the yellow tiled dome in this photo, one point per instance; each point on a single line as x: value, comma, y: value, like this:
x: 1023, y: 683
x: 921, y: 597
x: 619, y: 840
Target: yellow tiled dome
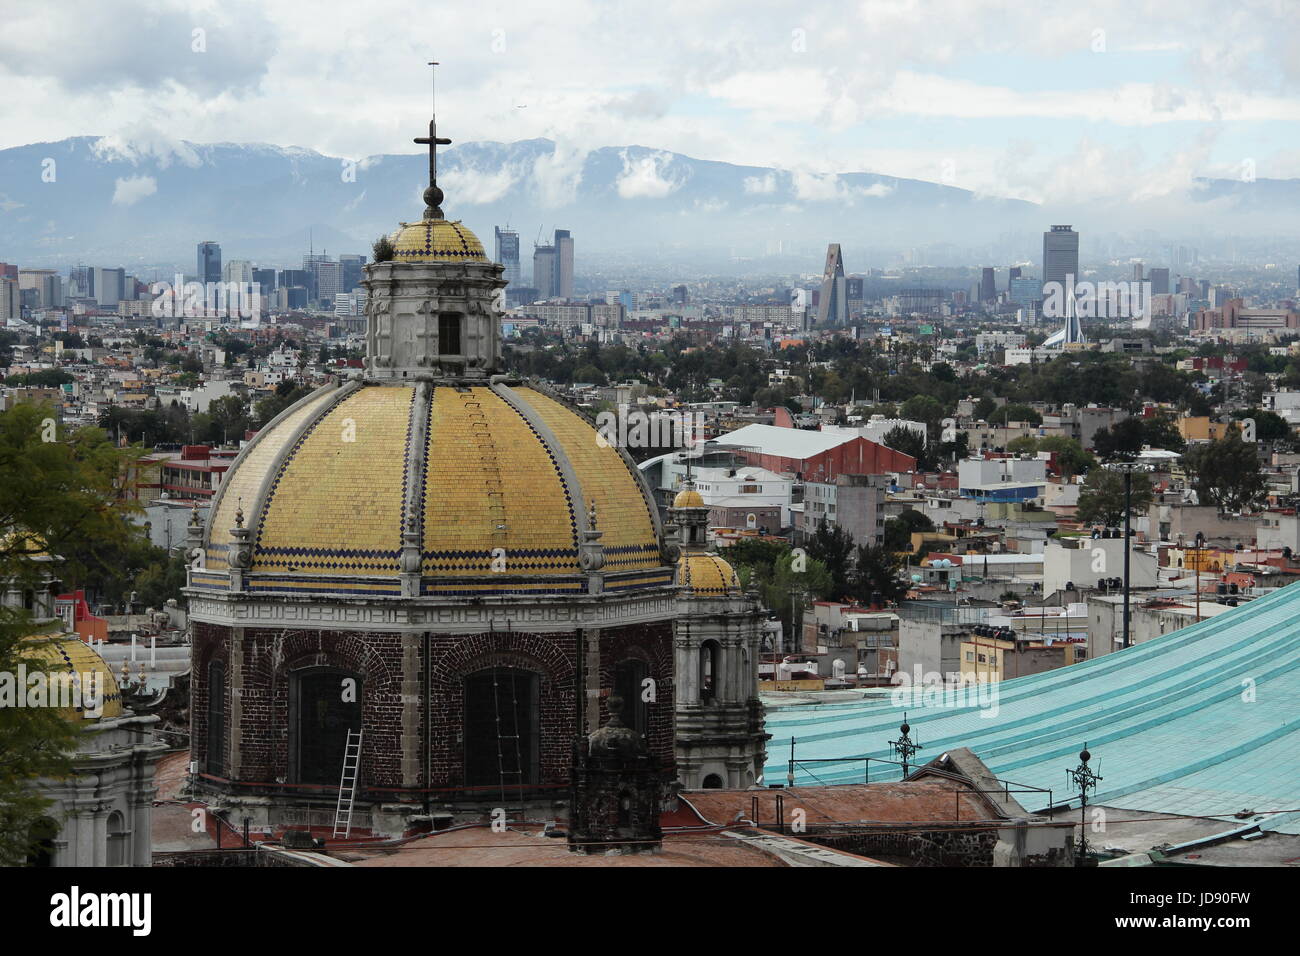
x: 59, y: 654
x: 688, y: 498
x: 707, y: 574
x: 436, y: 240
x: 505, y: 476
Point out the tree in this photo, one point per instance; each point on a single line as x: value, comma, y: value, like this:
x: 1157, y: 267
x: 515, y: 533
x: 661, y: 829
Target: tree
x: 1124, y: 439
x: 1226, y: 473
x: 833, y: 547
x: 1101, y: 499
x: 898, y: 531
x: 901, y: 438
x: 790, y: 589
x: 877, y: 574
x: 1071, y: 459
x: 1015, y: 413
x: 924, y: 408
x: 1269, y: 426
x: 57, y: 490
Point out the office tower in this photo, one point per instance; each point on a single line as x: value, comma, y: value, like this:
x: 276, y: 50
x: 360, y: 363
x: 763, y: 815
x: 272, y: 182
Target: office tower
x: 351, y: 267
x: 329, y: 280
x: 237, y: 270
x: 264, y: 279
x: 508, y: 254
x: 128, y: 288
x: 81, y: 283
x: 1203, y: 287
x: 563, y: 263
x: 1159, y: 281
x: 10, y: 299
x: 544, y: 271
x: 988, y: 288
x: 209, y: 264
x: 8, y: 271
x: 1186, y: 285
x: 1012, y: 273
x: 1060, y: 256
x: 854, y: 293
x: 833, y: 303
x: 1137, y: 272
x: 109, y: 285
x: 47, y: 283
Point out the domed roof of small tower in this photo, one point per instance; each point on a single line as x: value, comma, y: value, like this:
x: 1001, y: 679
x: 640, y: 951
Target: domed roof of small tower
x: 689, y: 498
x: 707, y: 574
x: 436, y: 240
x: 68, y: 653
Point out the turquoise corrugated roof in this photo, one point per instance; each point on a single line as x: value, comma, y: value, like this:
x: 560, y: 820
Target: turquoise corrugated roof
x: 1204, y: 721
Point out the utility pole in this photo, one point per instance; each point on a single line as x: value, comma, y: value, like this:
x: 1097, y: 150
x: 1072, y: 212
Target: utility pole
x: 1127, y: 468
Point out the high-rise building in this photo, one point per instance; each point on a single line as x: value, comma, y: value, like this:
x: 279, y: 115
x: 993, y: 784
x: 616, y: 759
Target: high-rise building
x: 1013, y: 273
x: 237, y: 270
x: 329, y: 280
x: 110, y: 286
x: 351, y: 267
x: 209, y: 264
x: 833, y: 303
x: 988, y: 286
x: 1159, y: 281
x: 544, y: 271
x: 47, y: 283
x: 563, y: 263
x: 264, y: 279
x: 1137, y: 272
x: 10, y: 299
x: 1060, y: 257
x: 507, y: 253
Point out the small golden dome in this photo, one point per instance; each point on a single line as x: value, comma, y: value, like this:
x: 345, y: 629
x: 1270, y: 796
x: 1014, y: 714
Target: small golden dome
x: 67, y: 653
x: 436, y: 240
x: 688, y: 498
x: 707, y: 574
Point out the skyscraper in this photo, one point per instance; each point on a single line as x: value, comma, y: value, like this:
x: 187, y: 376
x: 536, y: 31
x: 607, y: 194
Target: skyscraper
x: 1159, y: 281
x: 564, y: 263
x: 109, y: 286
x: 1060, y: 256
x: 351, y: 267
x: 544, y: 272
x: 507, y: 253
x: 833, y: 303
x: 988, y: 286
x: 209, y: 264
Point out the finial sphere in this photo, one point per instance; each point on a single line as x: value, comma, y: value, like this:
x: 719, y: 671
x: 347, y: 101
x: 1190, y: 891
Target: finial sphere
x: 433, y: 196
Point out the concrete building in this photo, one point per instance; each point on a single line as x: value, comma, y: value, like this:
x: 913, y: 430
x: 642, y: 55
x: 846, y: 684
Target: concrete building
x: 1084, y: 561
x: 853, y: 503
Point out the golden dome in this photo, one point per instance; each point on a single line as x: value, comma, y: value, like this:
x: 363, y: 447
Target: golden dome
x: 68, y: 654
x: 499, y: 492
x: 707, y: 574
x: 436, y: 240
x: 688, y: 498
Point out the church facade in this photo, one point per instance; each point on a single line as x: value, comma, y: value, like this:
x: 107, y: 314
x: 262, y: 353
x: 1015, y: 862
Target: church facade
x: 433, y: 554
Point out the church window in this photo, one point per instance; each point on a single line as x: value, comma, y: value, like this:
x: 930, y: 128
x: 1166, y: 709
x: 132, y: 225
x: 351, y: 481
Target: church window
x: 710, y: 671
x: 629, y: 683
x: 449, y: 334
x: 216, y: 744
x: 116, y: 854
x: 326, y: 705
x: 502, y: 729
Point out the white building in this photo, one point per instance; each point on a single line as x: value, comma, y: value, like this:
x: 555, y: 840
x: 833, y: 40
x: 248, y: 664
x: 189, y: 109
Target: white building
x: 1085, y: 561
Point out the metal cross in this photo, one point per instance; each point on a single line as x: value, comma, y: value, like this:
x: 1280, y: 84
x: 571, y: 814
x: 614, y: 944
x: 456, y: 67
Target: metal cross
x: 433, y: 195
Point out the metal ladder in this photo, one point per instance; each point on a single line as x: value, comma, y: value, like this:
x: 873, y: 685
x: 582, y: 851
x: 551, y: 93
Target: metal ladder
x: 347, y: 785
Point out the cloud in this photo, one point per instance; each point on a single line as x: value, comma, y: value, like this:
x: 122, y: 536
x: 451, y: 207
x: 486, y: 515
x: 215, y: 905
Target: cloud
x: 647, y: 177
x: 132, y: 189
x: 140, y: 142
x: 763, y: 185
x: 476, y: 186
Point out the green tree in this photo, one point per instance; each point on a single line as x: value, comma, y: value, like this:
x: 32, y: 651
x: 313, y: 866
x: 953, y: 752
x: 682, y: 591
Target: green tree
x: 907, y: 441
x: 833, y: 547
x: 1101, y: 499
x: 1071, y: 459
x: 876, y: 570
x: 57, y: 490
x: 1227, y: 474
x: 898, y: 531
x: 790, y: 590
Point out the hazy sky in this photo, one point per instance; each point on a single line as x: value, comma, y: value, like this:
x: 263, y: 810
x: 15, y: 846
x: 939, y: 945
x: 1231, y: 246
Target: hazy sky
x: 1053, y: 102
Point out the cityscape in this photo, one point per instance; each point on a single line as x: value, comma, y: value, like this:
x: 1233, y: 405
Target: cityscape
x: 520, y: 496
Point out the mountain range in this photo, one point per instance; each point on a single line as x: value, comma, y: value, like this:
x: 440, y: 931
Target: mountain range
x: 147, y: 202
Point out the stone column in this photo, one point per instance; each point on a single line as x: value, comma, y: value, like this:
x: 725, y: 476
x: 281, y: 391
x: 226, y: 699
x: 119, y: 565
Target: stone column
x: 411, y: 700
x: 235, y: 714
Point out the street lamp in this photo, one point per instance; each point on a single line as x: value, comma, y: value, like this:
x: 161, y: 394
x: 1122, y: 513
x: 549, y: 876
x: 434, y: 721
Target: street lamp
x: 1127, y: 468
